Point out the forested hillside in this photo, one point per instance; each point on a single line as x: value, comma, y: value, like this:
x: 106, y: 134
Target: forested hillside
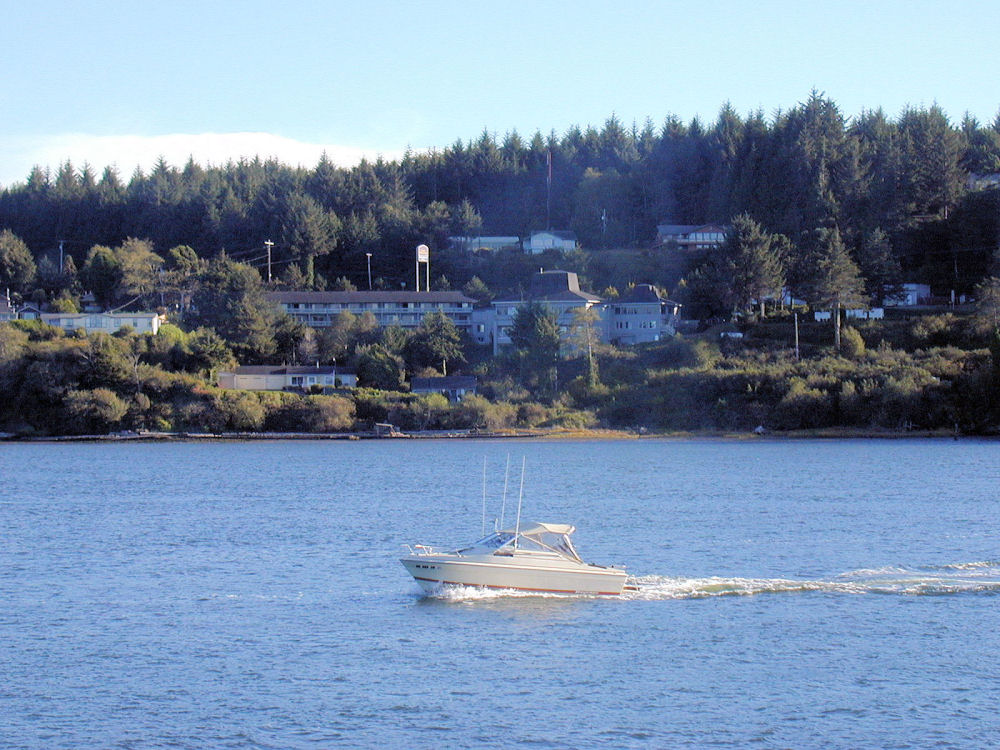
x: 895, y: 185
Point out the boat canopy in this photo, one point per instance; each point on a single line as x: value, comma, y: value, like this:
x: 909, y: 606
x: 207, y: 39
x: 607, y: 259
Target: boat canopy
x: 537, y: 528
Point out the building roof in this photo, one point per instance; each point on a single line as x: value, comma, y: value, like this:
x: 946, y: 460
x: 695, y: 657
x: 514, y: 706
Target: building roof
x: 289, y: 370
x: 556, y: 286
x: 677, y: 230
x: 445, y: 383
x: 641, y: 293
x: 560, y: 233
x: 345, y: 298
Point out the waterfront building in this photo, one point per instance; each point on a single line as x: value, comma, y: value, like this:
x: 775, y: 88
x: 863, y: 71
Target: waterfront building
x: 286, y: 378
x: 453, y: 387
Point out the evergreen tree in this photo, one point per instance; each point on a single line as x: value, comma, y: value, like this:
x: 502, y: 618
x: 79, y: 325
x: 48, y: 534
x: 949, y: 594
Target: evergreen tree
x: 17, y: 266
x: 838, y: 281
x: 755, y: 263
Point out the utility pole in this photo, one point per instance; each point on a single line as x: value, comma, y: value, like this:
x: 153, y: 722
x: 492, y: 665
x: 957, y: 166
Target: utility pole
x: 796, y: 337
x: 269, y: 245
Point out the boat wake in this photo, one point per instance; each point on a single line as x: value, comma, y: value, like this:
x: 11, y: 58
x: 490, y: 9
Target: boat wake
x: 931, y: 580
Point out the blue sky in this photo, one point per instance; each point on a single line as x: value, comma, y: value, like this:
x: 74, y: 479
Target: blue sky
x: 126, y: 82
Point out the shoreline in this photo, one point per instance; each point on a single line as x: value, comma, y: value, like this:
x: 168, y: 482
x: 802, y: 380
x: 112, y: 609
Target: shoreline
x: 525, y: 434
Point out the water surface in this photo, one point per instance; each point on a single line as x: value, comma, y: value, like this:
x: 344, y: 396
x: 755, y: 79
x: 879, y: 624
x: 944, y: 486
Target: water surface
x: 248, y: 595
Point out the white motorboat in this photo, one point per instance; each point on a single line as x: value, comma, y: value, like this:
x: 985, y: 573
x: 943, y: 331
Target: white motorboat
x: 536, y: 557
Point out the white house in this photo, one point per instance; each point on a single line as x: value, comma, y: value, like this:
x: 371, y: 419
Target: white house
x: 285, y: 378
x: 539, y: 242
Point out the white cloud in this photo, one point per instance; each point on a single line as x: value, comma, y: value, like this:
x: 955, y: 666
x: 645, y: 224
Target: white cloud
x: 126, y: 152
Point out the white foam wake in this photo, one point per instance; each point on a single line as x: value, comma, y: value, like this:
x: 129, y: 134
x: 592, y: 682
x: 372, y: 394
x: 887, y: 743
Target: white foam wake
x: 981, y: 577
x: 961, y: 578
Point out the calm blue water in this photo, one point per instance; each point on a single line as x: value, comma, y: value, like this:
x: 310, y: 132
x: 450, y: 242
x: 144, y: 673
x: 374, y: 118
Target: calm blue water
x: 248, y: 595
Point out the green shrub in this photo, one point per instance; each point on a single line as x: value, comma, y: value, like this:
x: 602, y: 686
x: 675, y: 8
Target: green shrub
x: 852, y: 345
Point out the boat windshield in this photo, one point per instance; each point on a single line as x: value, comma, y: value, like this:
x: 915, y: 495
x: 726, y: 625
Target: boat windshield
x: 495, y: 540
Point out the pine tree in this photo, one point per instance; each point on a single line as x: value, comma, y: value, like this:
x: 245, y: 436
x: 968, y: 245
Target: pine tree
x: 838, y: 281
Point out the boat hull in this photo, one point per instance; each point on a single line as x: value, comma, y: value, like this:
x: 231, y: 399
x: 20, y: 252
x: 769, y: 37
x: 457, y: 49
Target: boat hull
x: 435, y: 571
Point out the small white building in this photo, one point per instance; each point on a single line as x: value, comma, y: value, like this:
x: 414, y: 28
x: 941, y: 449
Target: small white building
x: 285, y: 378
x: 539, y: 242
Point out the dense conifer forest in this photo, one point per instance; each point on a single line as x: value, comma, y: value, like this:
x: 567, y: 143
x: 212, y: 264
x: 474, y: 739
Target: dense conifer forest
x: 892, y: 186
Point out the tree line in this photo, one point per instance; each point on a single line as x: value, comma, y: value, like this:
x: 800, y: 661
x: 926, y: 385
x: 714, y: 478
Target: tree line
x: 893, y: 188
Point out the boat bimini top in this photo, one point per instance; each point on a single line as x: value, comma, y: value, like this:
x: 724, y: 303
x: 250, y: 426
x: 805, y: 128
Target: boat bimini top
x: 529, y: 538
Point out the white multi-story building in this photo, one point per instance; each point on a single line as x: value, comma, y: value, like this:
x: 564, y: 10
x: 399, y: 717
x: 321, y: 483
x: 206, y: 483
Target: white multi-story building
x: 404, y: 309
x: 558, y: 290
x: 640, y: 316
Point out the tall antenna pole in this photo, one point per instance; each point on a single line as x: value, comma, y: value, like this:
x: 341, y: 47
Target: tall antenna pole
x: 548, y: 191
x: 61, y: 255
x: 503, y: 505
x: 517, y: 526
x: 269, y: 245
x: 484, y: 497
x: 369, y: 255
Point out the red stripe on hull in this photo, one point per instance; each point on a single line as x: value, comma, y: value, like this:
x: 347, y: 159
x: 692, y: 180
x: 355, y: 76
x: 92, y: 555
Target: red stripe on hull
x: 517, y: 588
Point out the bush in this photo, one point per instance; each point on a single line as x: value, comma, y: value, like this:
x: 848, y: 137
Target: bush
x: 242, y: 411
x: 852, y: 345
x: 94, y: 412
x: 478, y: 413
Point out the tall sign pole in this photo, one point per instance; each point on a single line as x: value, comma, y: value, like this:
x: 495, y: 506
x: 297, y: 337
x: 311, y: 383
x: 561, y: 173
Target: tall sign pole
x: 424, y: 256
x: 269, y: 245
